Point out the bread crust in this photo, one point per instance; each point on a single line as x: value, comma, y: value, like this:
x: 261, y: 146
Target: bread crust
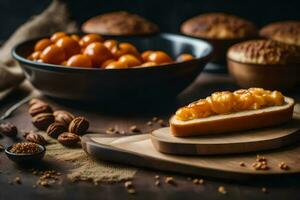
x: 283, y: 31
x: 264, y: 52
x: 119, y: 23
x: 218, y: 26
x: 233, y: 122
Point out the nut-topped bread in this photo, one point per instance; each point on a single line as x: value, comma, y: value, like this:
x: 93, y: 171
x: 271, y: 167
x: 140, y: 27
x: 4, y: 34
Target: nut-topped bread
x: 218, y: 26
x: 119, y: 23
x: 284, y: 31
x: 264, y: 52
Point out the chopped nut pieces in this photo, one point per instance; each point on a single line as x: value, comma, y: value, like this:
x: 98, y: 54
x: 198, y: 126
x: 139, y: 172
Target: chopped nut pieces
x: 170, y: 180
x: 134, y: 129
x: 47, y: 178
x: 161, y: 122
x: 155, y: 119
x: 110, y: 130
x: 149, y: 123
x: 129, y: 186
x: 157, y: 183
x: 25, y: 148
x: 261, y: 163
x: 264, y: 190
x: 18, y: 180
x: 222, y: 190
x: 283, y: 166
x: 198, y: 181
x: 156, y: 177
x: 242, y: 164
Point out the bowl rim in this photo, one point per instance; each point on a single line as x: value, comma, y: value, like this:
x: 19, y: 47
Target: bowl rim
x: 8, y: 152
x: 44, y: 66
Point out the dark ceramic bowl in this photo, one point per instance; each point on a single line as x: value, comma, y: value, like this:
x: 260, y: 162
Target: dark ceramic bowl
x: 133, y: 84
x: 26, y: 158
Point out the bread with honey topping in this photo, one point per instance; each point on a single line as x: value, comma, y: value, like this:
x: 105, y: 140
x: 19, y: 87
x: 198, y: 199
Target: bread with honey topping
x: 225, y: 112
x: 218, y: 26
x: 284, y: 31
x: 119, y: 23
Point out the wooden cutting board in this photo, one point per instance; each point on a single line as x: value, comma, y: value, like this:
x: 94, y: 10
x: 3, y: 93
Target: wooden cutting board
x: 239, y: 142
x: 138, y: 151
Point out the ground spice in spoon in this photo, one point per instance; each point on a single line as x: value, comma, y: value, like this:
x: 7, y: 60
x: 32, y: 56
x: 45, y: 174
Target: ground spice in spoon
x: 25, y: 148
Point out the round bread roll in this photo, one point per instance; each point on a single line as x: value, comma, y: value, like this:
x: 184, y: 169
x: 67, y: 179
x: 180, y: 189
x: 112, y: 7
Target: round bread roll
x: 264, y: 63
x: 284, y: 31
x: 218, y: 26
x: 264, y: 52
x: 119, y: 23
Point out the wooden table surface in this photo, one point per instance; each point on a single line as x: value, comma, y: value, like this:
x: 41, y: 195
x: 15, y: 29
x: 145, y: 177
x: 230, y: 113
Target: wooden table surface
x: 278, y: 188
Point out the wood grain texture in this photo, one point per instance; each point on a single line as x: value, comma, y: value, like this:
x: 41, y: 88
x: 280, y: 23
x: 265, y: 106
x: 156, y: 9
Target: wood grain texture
x: 139, y: 151
x: 239, y: 142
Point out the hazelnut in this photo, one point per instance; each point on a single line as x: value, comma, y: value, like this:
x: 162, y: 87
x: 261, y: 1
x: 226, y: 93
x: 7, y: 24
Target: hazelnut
x: 79, y: 125
x: 35, y: 138
x: 43, y: 120
x: 55, y: 129
x: 63, y: 117
x: 8, y: 129
x: 68, y: 139
x: 38, y: 108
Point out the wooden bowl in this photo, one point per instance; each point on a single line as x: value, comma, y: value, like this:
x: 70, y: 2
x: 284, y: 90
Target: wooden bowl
x: 275, y: 77
x: 113, y: 85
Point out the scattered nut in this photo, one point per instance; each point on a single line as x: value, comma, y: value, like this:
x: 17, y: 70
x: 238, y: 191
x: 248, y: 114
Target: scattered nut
x: 131, y: 191
x: 55, y: 129
x: 283, y: 166
x: 18, y: 180
x: 157, y: 183
x: 134, y: 129
x: 156, y: 177
x: 170, y: 180
x: 35, y: 138
x: 264, y: 190
x: 43, y: 120
x: 8, y: 129
x: 242, y: 164
x: 161, y: 122
x: 149, y: 123
x: 155, y: 119
x: 222, y: 190
x: 63, y: 117
x: 79, y: 125
x: 128, y: 184
x: 110, y: 130
x: 68, y: 139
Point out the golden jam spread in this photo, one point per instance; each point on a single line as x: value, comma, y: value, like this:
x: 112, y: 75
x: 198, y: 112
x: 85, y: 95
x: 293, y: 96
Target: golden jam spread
x: 229, y: 102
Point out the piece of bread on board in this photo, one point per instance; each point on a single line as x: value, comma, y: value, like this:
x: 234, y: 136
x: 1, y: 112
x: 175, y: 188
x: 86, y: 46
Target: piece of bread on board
x: 232, y: 122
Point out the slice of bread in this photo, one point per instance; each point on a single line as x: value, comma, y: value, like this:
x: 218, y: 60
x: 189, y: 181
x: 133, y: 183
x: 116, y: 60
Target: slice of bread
x: 238, y: 121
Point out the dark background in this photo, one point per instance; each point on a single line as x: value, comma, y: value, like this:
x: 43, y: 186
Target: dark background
x: 168, y: 14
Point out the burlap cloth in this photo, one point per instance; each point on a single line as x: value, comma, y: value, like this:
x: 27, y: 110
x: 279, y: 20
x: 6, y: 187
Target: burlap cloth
x: 55, y: 18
